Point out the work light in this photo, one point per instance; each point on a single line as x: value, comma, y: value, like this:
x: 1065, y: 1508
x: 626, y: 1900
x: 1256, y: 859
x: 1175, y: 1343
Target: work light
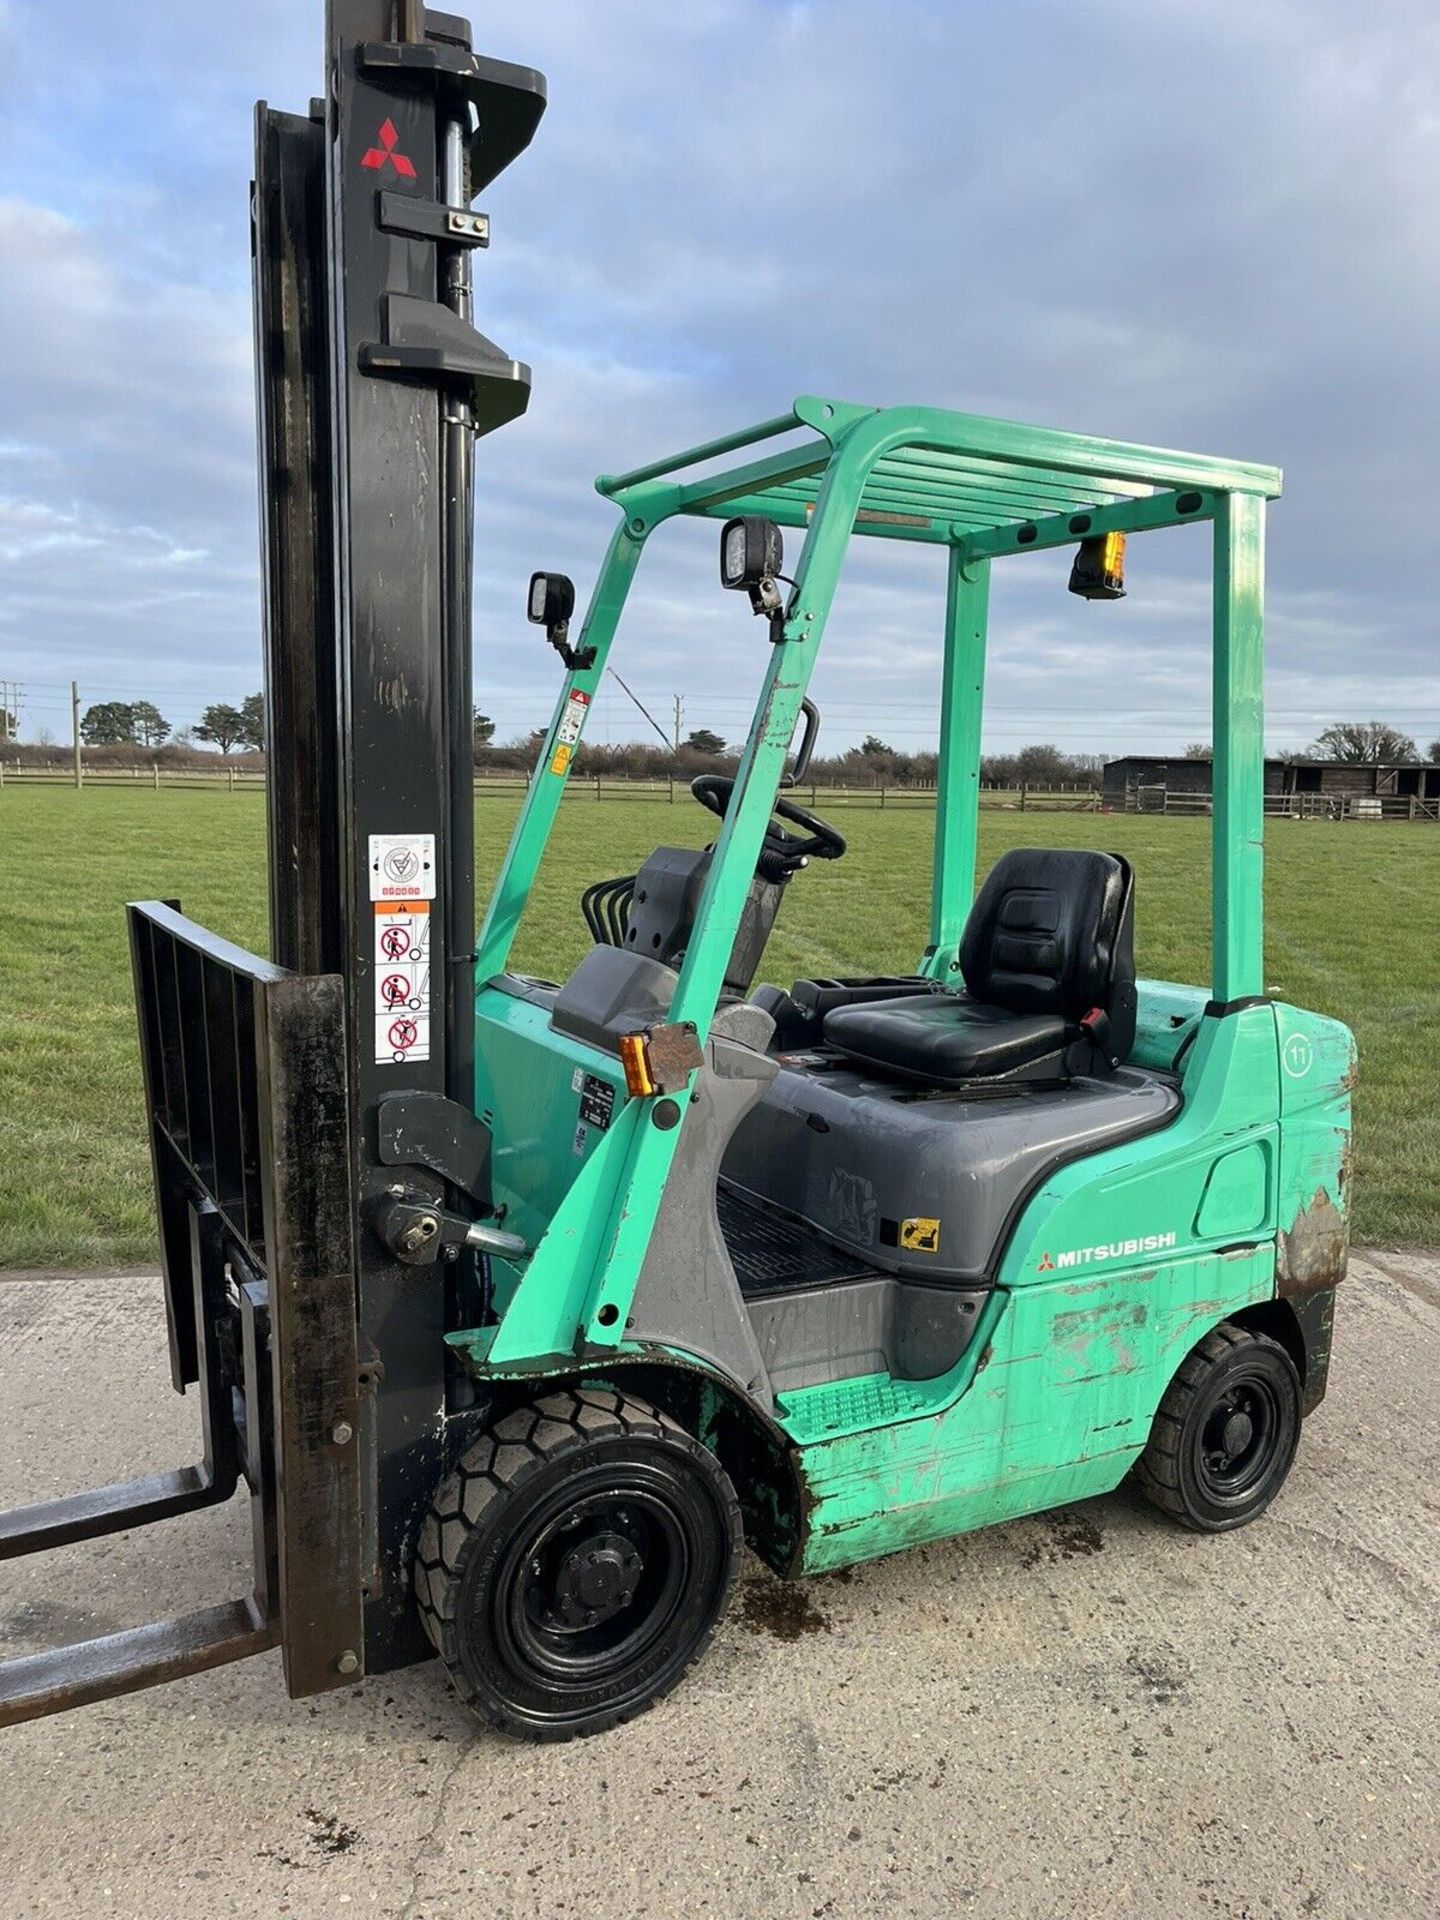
x: 552, y: 600
x: 550, y: 604
x: 750, y: 551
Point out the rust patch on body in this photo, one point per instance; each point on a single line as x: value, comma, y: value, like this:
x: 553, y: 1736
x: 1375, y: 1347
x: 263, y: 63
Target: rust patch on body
x: 1312, y: 1255
x: 1310, y: 1262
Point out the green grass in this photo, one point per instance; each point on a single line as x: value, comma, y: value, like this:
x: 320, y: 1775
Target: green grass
x: 1353, y: 913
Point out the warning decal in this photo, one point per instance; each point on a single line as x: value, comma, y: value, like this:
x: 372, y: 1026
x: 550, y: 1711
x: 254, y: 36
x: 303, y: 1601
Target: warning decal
x: 568, y: 732
x: 402, y: 981
x: 402, y: 866
x: 920, y: 1235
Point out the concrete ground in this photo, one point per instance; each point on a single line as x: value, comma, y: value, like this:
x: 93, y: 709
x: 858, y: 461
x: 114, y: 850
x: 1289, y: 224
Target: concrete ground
x: 1087, y: 1714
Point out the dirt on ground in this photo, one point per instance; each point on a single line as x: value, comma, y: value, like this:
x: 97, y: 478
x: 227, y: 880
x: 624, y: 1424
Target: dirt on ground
x: 1091, y: 1713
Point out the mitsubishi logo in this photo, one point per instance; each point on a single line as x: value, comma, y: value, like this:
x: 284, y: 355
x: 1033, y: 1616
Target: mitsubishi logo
x: 1047, y: 1265
x: 378, y: 158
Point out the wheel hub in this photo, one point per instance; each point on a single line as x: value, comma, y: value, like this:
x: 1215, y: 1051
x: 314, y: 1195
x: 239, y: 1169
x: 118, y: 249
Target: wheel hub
x: 1236, y: 1435
x: 596, y: 1579
x: 1239, y: 1439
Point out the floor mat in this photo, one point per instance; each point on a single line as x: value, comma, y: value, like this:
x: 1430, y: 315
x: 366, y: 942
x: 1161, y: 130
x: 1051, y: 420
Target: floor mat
x: 773, y: 1255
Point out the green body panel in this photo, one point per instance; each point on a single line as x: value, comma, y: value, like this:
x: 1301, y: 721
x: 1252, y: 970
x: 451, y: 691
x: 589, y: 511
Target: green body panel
x: 543, y: 1157
x: 1058, y: 1410
x: 1166, y: 1020
x: 1317, y: 1072
x: 1116, y: 1264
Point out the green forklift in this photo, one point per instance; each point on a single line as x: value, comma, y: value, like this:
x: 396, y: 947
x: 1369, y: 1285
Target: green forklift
x: 519, y: 1307
x: 844, y: 1265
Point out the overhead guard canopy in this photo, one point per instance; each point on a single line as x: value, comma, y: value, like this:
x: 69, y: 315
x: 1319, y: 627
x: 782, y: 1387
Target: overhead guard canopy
x: 942, y: 476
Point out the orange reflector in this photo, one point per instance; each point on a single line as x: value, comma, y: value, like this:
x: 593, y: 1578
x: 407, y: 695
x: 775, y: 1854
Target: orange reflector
x: 636, y: 1062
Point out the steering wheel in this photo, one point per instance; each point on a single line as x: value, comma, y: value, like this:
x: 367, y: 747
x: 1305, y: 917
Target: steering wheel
x: 784, y: 851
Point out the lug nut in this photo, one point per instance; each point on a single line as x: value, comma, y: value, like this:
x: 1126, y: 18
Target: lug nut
x: 348, y: 1661
x: 342, y: 1433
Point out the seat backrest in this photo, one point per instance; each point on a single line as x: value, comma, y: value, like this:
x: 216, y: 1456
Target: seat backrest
x: 1052, y: 931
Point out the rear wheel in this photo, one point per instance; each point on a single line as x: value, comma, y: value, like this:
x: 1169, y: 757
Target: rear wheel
x: 1226, y: 1432
x: 576, y: 1563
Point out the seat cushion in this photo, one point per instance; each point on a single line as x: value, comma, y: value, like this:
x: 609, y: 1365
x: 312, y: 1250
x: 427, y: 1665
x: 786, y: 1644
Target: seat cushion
x: 1048, y: 932
x: 943, y: 1039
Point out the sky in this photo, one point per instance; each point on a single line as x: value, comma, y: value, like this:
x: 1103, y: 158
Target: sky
x: 1212, y: 226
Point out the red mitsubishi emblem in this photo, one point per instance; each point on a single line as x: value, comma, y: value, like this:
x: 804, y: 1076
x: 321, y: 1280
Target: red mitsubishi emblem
x: 378, y: 158
x: 1047, y: 1265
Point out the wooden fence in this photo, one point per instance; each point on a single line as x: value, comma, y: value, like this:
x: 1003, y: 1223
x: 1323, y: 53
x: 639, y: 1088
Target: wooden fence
x: 580, y: 788
x: 1292, y: 806
x: 814, y: 794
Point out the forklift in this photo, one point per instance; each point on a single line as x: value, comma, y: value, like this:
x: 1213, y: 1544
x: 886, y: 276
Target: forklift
x: 520, y: 1307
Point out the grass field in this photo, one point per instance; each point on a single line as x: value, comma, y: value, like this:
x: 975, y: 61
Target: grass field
x: 1353, y: 918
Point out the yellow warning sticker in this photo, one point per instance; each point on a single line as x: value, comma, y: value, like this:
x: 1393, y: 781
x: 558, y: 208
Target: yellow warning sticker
x: 560, y: 762
x: 920, y: 1235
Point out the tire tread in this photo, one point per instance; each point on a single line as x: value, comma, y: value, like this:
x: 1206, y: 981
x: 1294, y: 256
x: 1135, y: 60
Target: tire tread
x: 522, y: 1442
x: 1158, y: 1470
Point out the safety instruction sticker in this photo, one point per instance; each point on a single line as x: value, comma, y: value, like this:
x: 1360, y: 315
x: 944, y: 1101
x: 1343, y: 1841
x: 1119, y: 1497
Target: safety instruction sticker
x: 568, y: 732
x: 402, y: 981
x: 402, y: 866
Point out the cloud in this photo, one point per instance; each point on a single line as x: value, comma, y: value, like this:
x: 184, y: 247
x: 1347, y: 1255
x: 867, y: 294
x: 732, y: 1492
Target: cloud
x: 1207, y: 227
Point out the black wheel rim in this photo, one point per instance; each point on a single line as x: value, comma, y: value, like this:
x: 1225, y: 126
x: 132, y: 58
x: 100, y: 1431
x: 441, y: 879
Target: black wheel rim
x: 592, y: 1582
x: 1239, y: 1438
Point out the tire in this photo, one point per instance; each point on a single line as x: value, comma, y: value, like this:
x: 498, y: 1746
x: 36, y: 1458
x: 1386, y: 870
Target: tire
x: 1225, y: 1436
x: 576, y: 1563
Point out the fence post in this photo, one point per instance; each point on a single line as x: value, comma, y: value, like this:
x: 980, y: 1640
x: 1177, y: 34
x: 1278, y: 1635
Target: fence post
x: 1023, y: 791
x: 155, y: 769
x: 882, y: 799
x: 672, y: 789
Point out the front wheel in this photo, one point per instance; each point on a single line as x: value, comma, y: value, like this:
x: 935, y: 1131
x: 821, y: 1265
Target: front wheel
x: 576, y: 1563
x: 1226, y: 1432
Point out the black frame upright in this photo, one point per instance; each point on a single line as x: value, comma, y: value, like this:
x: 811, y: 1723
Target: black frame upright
x: 302, y: 1159
x: 364, y: 237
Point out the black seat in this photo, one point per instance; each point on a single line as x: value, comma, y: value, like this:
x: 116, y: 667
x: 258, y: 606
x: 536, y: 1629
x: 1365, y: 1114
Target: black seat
x: 1049, y: 967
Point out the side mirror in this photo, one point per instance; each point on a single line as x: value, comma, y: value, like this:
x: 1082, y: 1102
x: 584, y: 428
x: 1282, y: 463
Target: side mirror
x: 751, y: 556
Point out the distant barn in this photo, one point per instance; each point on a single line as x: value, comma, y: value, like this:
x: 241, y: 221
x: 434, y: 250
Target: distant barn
x: 1157, y: 783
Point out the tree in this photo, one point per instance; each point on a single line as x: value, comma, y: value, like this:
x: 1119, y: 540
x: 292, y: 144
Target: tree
x: 149, y: 725
x: 1043, y: 766
x: 1435, y: 752
x: 1199, y: 750
x: 484, y: 729
x: 109, y: 723
x: 702, y: 740
x: 1369, y: 742
x: 252, y: 716
x: 223, y: 726
x: 873, y: 748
